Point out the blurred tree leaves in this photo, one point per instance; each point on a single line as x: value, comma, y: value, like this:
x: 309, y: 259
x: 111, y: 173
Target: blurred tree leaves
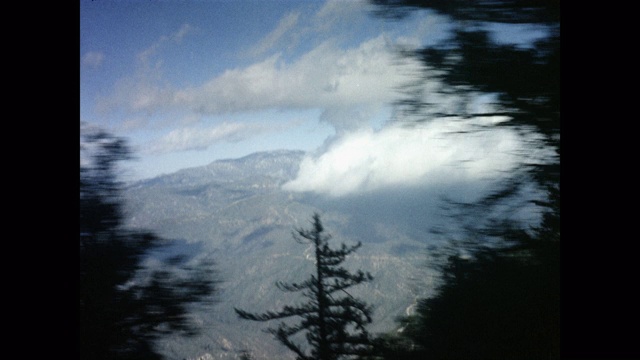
x: 499, y: 295
x: 122, y: 313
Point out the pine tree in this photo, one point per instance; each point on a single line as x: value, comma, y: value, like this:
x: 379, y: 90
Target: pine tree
x: 333, y: 320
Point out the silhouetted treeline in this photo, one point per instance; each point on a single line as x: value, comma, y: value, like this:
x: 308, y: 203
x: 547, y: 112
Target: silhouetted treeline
x: 499, y: 296
x: 120, y: 314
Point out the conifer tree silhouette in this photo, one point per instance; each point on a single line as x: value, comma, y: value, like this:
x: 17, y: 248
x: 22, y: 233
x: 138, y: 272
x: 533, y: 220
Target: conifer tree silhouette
x: 333, y: 320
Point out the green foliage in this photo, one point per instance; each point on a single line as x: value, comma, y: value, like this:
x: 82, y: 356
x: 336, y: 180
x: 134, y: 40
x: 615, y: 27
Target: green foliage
x: 333, y: 321
x: 121, y: 315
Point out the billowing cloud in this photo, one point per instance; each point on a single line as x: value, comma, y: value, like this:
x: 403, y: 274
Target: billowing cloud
x: 348, y: 83
x: 438, y: 153
x: 326, y: 77
x: 93, y: 59
x: 341, y: 82
x: 345, y: 119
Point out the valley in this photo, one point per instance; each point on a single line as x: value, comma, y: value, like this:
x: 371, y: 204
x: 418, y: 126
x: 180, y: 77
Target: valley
x: 236, y: 213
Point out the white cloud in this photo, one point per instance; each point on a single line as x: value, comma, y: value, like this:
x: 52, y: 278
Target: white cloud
x: 140, y: 94
x: 325, y: 77
x: 93, y: 59
x: 196, y: 138
x: 146, y: 91
x: 347, y: 84
x: 434, y: 154
x: 287, y: 23
x: 176, y: 37
x: 200, y: 138
x: 339, y: 13
x: 134, y: 123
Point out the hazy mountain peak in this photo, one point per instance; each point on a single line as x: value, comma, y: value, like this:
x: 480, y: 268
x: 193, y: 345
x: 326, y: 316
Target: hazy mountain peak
x: 279, y: 164
x: 237, y: 210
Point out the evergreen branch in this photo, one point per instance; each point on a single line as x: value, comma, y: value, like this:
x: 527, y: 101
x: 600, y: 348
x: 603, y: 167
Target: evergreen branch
x: 283, y: 336
x: 287, y: 311
x: 325, y: 320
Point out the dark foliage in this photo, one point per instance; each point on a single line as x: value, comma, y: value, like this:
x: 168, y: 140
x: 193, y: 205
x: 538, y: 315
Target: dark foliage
x: 504, y: 11
x: 333, y: 320
x: 120, y: 316
x: 502, y: 302
x: 498, y: 305
x: 526, y: 79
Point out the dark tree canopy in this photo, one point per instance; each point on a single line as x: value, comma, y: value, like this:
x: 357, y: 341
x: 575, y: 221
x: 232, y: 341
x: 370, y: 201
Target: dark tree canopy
x: 120, y: 316
x: 499, y: 301
x: 525, y: 81
x: 332, y: 320
x: 498, y: 305
x: 506, y: 11
x: 469, y: 61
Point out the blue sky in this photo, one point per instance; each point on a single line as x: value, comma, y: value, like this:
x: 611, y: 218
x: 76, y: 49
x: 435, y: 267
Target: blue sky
x: 189, y: 82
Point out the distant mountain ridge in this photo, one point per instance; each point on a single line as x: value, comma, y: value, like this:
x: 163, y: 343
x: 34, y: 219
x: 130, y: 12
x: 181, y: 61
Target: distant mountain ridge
x: 238, y: 212
x: 279, y: 163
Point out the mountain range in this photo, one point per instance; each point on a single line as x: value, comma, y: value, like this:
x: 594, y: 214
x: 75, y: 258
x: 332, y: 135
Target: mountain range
x: 236, y: 212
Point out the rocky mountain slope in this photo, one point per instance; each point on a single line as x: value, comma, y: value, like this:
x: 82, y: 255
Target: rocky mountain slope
x: 237, y: 213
